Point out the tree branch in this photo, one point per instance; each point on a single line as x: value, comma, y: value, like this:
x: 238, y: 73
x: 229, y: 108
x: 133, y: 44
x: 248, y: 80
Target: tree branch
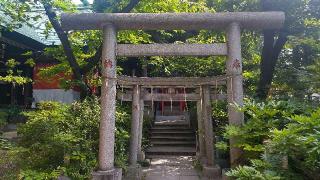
x: 92, y: 61
x: 96, y: 58
x: 63, y: 36
x: 64, y: 41
x: 129, y: 7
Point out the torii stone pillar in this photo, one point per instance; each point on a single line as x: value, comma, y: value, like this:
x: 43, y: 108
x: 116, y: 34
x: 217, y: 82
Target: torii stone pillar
x: 210, y: 169
x: 234, y: 85
x: 141, y: 155
x: 201, y: 131
x: 108, y: 108
x: 134, y: 170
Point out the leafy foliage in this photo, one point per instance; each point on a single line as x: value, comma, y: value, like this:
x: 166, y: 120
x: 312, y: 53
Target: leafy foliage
x: 257, y: 171
x: 60, y: 139
x: 14, y: 75
x: 284, y: 135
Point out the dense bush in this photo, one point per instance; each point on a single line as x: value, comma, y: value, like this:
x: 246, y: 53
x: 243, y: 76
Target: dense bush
x: 280, y: 139
x: 64, y: 139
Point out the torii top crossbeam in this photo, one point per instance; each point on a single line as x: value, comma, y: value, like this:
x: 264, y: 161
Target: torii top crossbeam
x: 170, y: 21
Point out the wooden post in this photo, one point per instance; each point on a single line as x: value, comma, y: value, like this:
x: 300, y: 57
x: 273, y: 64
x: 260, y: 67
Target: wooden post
x: 234, y: 85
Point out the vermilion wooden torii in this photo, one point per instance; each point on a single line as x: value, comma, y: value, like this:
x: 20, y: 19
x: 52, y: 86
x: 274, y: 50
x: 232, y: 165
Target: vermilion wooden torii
x: 231, y: 22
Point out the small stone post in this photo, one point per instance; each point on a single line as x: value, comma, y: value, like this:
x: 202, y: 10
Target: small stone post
x: 108, y: 108
x: 234, y: 84
x: 201, y: 130
x: 141, y: 155
x: 134, y: 170
x: 210, y: 169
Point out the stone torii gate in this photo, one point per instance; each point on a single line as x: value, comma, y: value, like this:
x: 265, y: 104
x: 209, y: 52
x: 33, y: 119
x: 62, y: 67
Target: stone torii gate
x: 142, y: 89
x: 231, y: 22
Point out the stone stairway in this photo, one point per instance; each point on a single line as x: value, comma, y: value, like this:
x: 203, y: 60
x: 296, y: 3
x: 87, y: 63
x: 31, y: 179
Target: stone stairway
x: 171, y: 138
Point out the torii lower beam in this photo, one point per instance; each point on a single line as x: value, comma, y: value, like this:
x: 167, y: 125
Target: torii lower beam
x: 169, y: 97
x: 172, y: 81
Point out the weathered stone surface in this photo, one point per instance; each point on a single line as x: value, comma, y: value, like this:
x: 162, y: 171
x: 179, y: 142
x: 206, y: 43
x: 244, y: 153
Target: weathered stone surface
x: 169, y: 21
x: 208, y: 129
x: 141, y: 155
x: 172, y: 81
x: 134, y: 172
x: 137, y: 50
x: 201, y: 133
x: 211, y: 172
x: 234, y: 84
x: 134, y: 131
x: 108, y: 100
x: 169, y: 97
x: 113, y: 174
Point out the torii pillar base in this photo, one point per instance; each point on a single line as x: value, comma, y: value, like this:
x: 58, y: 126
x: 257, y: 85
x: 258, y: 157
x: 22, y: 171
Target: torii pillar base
x: 211, y: 172
x: 113, y: 174
x: 141, y: 156
x: 134, y: 172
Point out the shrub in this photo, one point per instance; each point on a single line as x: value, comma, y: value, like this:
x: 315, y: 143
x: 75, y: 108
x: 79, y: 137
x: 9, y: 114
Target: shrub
x: 300, y: 142
x: 284, y: 135
x: 64, y: 139
x: 257, y: 171
x: 260, y: 119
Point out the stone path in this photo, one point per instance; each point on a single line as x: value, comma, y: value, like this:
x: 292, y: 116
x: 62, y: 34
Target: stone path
x: 172, y: 168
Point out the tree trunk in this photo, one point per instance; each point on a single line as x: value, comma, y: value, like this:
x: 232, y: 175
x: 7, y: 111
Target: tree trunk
x: 78, y: 72
x: 270, y: 55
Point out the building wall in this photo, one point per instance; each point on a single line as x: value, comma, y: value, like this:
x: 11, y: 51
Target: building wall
x: 60, y: 95
x: 45, y: 89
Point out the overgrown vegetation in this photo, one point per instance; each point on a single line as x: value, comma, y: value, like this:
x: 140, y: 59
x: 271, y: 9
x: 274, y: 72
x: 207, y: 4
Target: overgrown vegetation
x: 60, y: 139
x: 280, y: 140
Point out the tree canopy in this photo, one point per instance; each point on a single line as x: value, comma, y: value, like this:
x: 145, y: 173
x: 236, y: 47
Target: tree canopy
x: 269, y: 57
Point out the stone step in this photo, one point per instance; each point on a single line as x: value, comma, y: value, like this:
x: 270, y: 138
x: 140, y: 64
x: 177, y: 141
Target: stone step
x: 172, y: 143
x: 182, y: 126
x: 170, y: 117
x: 169, y: 150
x: 172, y: 134
x: 172, y: 138
x: 166, y: 131
x: 170, y: 128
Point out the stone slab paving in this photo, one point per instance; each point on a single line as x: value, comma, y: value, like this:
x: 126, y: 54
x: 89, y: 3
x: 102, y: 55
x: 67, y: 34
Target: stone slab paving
x: 172, y: 168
